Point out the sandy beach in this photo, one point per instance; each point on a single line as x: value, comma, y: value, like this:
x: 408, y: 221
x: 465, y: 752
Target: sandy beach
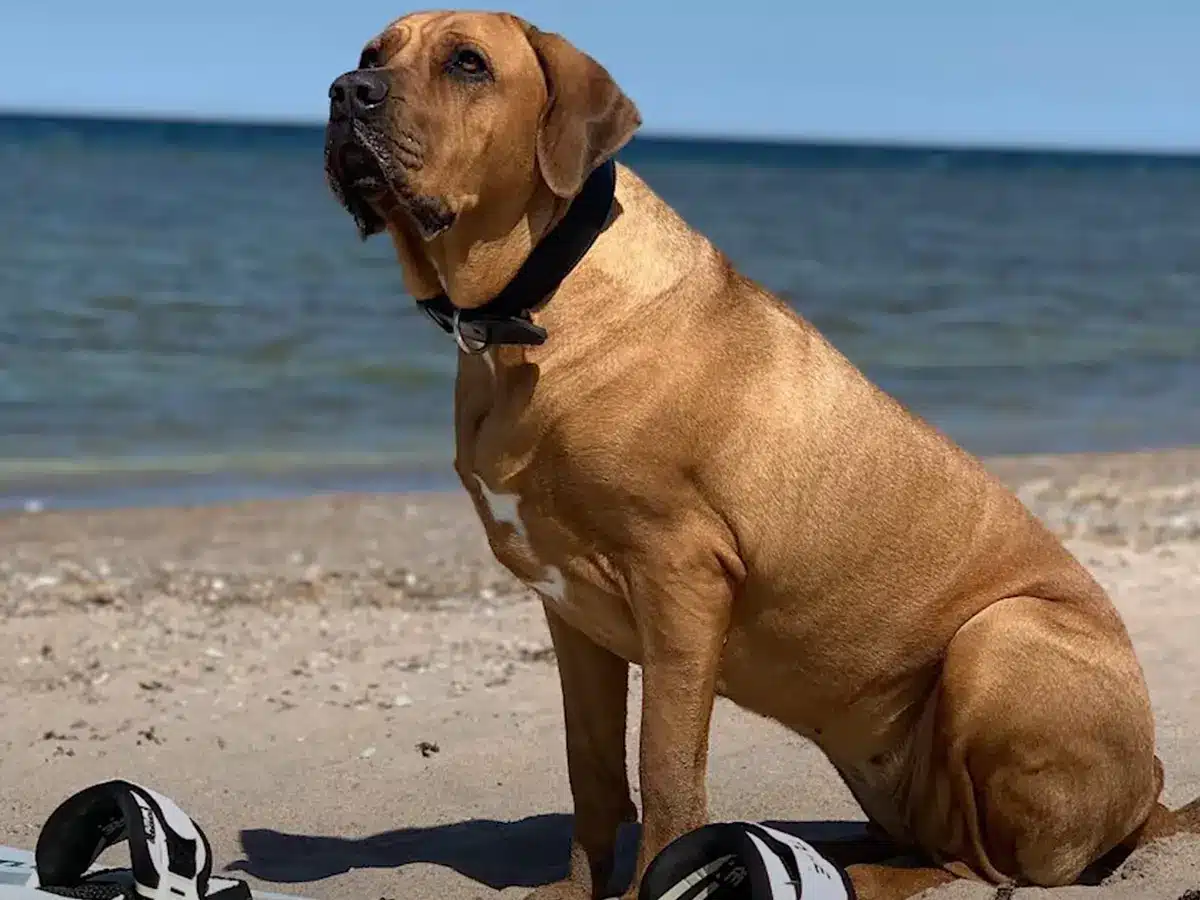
x: 355, y: 701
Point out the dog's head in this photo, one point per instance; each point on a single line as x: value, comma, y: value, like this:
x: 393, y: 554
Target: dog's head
x: 453, y: 121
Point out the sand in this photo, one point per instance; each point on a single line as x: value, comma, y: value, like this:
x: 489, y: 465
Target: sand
x: 356, y: 702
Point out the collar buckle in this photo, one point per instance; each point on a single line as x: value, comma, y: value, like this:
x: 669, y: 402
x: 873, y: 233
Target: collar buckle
x: 456, y: 328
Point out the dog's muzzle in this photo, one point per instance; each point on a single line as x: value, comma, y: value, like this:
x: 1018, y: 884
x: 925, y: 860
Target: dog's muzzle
x: 357, y: 100
x: 368, y: 167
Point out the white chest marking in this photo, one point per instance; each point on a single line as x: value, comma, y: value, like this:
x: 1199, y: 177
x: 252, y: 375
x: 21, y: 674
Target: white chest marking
x: 503, y: 507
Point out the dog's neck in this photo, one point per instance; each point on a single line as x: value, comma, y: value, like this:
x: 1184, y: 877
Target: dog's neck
x: 473, y: 260
x: 627, y: 293
x: 506, y: 317
x: 645, y: 245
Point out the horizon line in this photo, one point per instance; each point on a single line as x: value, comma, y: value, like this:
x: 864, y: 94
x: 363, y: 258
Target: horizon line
x: 879, y: 142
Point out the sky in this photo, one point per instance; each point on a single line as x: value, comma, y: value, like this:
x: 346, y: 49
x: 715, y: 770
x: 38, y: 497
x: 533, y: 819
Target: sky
x: 1075, y: 73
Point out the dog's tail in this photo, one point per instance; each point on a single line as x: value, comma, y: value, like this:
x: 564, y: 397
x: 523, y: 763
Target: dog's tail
x: 1163, y: 822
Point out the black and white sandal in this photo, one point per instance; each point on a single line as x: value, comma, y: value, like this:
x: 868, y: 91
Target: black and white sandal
x: 170, y: 856
x: 742, y: 861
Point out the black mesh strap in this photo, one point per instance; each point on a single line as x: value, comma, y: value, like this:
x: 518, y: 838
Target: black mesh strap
x: 93, y: 890
x: 170, y: 856
x: 742, y: 861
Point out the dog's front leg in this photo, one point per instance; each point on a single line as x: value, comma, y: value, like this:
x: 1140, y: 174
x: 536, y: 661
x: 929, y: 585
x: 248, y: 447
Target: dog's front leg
x: 682, y: 625
x: 595, y: 690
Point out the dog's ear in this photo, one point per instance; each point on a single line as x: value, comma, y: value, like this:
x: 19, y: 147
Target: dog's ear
x: 587, y: 117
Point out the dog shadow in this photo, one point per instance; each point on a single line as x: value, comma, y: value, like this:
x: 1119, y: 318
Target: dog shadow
x: 525, y: 853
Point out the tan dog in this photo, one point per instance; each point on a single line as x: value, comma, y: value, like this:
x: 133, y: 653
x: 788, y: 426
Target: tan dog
x: 695, y: 481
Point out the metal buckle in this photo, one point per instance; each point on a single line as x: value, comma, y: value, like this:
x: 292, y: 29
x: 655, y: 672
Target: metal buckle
x: 461, y: 339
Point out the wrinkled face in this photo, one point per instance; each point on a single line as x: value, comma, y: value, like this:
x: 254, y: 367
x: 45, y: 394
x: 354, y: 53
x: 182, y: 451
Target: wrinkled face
x: 448, y: 112
x: 411, y: 127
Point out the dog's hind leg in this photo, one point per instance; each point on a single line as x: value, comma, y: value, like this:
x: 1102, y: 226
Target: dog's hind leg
x: 1042, y: 754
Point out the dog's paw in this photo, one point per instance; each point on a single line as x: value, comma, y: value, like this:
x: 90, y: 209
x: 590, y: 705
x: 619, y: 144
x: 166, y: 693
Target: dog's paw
x: 567, y: 889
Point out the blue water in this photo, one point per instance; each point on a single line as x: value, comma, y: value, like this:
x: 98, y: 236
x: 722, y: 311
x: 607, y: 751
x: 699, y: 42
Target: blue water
x: 186, y: 314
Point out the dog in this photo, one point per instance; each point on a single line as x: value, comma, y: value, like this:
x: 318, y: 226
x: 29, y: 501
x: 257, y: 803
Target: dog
x: 695, y: 481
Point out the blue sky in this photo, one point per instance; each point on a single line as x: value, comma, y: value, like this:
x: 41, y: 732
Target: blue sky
x: 1104, y: 73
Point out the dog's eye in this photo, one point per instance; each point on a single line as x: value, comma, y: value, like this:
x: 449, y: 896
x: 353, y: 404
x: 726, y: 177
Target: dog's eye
x: 468, y: 62
x: 370, y: 58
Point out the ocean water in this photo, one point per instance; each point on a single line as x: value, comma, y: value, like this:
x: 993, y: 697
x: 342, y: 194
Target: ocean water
x: 186, y: 314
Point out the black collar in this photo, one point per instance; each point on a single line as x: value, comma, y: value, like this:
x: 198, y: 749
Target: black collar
x: 505, y: 319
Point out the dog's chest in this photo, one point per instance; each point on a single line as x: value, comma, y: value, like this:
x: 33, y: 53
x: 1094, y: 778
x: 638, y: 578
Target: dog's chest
x: 511, y: 542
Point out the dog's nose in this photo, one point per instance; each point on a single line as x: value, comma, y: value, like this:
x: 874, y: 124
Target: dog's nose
x: 357, y: 93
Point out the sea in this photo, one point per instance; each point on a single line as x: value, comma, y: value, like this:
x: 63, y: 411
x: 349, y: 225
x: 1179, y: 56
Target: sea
x: 186, y: 316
